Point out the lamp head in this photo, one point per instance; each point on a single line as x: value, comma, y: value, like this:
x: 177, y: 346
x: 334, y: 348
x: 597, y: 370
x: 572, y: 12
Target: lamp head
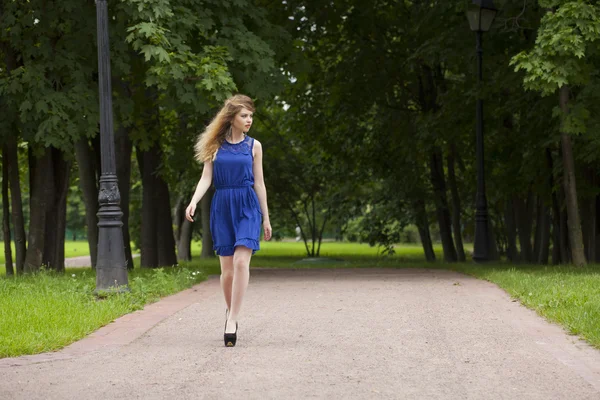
x: 481, y: 15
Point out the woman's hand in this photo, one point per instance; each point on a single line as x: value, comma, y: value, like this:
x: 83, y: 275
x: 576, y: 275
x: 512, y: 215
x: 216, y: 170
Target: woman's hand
x: 189, y: 212
x: 268, y: 230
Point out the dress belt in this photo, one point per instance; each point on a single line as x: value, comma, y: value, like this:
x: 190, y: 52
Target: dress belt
x: 232, y: 187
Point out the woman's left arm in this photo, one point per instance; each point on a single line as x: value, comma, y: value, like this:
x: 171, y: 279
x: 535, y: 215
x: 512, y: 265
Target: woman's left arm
x: 259, y: 187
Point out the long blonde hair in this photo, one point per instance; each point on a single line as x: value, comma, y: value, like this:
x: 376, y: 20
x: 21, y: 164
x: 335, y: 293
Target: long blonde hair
x: 212, y: 138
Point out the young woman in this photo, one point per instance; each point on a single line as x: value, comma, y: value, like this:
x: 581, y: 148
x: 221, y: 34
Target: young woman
x: 233, y: 161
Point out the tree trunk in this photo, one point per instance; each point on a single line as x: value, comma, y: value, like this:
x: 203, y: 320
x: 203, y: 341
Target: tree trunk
x: 314, y: 224
x: 524, y: 218
x: 157, y: 231
x: 207, y: 242
x: 424, y: 233
x: 556, y: 259
x: 13, y: 61
x: 537, y: 234
x: 56, y: 208
x: 492, y: 245
x: 556, y: 214
x: 542, y: 234
x: 588, y: 218
x: 18, y: 220
x: 184, y: 248
x: 97, y: 155
x: 183, y: 232
x: 512, y: 252
x: 164, y: 228
x: 597, y: 252
x: 39, y: 178
x: 123, y: 149
x: 589, y: 228
x: 178, y: 218
x: 456, y: 208
x: 89, y: 189
x: 545, y: 249
x: 428, y: 101
x: 441, y: 204
x: 8, y: 262
x: 50, y: 235
x: 323, y: 225
x: 565, y: 249
x: 574, y: 226
x: 149, y: 250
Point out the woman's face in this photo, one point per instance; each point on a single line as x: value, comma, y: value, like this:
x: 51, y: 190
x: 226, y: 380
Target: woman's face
x: 243, y: 120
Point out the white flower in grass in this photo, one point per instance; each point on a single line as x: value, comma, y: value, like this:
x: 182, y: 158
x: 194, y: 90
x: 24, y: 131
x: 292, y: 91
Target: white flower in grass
x: 73, y: 275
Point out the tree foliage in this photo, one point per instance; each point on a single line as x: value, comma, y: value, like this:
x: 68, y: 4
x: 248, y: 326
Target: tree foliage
x: 365, y: 109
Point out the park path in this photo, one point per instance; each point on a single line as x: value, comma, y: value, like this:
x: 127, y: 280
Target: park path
x: 83, y: 261
x: 80, y: 261
x: 334, y: 334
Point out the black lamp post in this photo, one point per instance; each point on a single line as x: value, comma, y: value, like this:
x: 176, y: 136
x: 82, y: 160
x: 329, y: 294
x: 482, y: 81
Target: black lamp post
x: 111, y: 268
x: 481, y: 14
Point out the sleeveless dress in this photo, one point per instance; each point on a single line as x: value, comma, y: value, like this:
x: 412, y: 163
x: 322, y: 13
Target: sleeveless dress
x: 235, y: 216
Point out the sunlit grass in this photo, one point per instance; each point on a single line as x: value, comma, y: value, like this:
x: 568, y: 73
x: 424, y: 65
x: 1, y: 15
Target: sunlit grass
x: 72, y: 249
x: 332, y: 249
x: 284, y: 249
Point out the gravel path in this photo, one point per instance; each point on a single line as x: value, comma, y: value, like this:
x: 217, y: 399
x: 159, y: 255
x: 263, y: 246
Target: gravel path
x: 331, y: 334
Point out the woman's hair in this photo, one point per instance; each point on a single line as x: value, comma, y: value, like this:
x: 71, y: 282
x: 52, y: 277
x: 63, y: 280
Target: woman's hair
x: 210, y: 140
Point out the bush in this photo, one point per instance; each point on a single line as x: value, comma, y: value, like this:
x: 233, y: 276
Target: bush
x: 410, y: 234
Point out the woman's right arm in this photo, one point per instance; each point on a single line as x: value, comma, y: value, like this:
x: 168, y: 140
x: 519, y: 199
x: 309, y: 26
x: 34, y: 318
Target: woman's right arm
x: 201, y: 189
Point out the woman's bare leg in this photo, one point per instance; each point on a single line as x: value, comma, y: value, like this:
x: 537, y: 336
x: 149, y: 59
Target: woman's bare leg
x: 241, y: 276
x: 227, y: 278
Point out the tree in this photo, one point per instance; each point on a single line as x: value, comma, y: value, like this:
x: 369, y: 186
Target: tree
x: 191, y: 62
x: 47, y: 88
x: 556, y: 64
x: 6, y: 221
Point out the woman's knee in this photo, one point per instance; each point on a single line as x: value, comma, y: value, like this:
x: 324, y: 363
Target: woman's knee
x: 226, y: 266
x: 241, y: 258
x: 241, y: 263
x: 227, y: 273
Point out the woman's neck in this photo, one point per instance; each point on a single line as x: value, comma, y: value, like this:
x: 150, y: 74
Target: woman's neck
x: 236, y: 136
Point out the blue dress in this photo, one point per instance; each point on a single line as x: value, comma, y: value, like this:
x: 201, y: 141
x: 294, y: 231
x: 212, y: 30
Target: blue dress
x: 235, y: 216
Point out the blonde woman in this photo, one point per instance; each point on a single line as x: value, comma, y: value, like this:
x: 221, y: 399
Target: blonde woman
x: 233, y: 161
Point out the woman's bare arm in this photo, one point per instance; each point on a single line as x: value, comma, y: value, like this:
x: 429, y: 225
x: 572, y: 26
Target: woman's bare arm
x: 259, y: 187
x: 203, y: 185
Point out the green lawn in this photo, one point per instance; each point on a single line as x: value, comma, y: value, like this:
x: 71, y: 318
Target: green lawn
x: 72, y: 249
x: 284, y: 249
x: 54, y: 311
x: 46, y: 312
x: 567, y: 295
x: 297, y: 250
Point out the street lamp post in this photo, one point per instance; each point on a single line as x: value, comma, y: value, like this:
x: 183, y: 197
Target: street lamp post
x: 111, y: 268
x: 481, y: 14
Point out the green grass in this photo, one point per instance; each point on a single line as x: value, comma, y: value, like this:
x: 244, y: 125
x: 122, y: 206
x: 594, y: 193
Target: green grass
x: 567, y: 295
x: 45, y: 312
x: 286, y: 250
x: 72, y: 249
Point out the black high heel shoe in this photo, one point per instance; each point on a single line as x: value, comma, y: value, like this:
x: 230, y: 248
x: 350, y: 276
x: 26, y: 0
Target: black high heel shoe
x: 230, y: 338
